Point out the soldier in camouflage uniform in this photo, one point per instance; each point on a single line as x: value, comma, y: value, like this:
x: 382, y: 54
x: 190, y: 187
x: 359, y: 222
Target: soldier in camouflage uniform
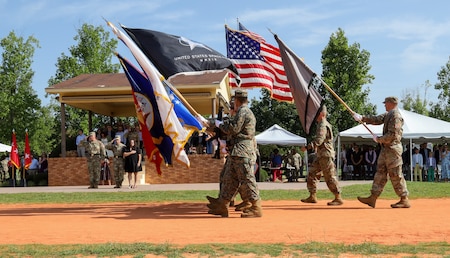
x: 241, y: 129
x: 96, y: 153
x: 324, y: 161
x: 390, y: 160
x: 117, y: 147
x: 226, y: 168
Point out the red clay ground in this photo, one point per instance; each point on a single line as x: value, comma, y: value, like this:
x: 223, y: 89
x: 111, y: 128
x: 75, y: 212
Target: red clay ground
x: 188, y: 223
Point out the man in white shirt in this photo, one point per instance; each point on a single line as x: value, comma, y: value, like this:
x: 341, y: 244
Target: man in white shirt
x: 417, y: 162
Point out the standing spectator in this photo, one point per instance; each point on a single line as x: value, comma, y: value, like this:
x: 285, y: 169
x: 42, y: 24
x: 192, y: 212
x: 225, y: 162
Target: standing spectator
x: 324, y: 161
x: 417, y: 161
x: 343, y: 160
x: 437, y: 150
x: 296, y: 161
x: 445, y: 163
x: 357, y: 157
x: 117, y: 148
x: 81, y: 151
x: 390, y: 158
x: 424, y: 150
x: 105, y: 172
x: 43, y: 163
x: 96, y: 153
x: 371, y: 162
x: 33, y: 169
x: 110, y: 133
x: 104, y: 140
x: 133, y: 157
x: 430, y: 166
x: 276, y: 161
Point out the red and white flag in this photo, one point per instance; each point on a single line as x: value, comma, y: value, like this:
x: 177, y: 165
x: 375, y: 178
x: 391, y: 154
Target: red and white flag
x: 14, y: 155
x: 28, y: 158
x: 259, y: 64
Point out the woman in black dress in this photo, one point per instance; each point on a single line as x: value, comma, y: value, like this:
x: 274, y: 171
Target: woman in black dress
x: 133, y: 157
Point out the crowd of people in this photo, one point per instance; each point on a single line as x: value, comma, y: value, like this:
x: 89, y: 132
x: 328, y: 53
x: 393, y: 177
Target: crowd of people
x: 38, y: 167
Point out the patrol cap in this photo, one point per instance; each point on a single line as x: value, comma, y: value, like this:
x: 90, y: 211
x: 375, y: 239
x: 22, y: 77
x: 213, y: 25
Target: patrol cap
x: 92, y: 134
x: 117, y: 137
x: 391, y: 99
x: 240, y: 93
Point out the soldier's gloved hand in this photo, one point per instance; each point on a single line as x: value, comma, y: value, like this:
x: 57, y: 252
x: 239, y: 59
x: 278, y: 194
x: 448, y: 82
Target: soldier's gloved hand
x: 218, y: 123
x: 357, y: 117
x: 375, y: 138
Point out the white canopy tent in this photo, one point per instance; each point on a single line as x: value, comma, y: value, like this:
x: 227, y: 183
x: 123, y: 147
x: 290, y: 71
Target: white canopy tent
x: 5, y: 148
x: 416, y: 127
x: 279, y: 136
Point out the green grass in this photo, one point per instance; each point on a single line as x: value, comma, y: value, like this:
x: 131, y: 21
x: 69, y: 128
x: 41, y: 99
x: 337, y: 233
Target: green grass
x: 418, y: 190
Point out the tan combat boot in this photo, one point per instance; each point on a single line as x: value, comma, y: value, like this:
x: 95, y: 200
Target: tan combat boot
x: 254, y: 211
x: 371, y: 200
x: 221, y: 208
x: 337, y: 200
x: 243, y: 205
x: 403, y: 203
x: 311, y: 199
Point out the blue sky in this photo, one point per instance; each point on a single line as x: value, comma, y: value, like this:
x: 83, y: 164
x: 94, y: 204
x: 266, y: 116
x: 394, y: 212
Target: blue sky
x: 409, y: 40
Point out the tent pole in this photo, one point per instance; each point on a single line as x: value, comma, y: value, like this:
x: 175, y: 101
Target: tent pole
x: 338, y: 158
x: 410, y: 160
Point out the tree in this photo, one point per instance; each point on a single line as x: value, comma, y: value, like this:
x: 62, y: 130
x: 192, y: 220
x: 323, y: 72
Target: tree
x: 269, y: 111
x: 412, y: 101
x: 345, y: 68
x: 442, y: 109
x: 92, y: 54
x: 21, y: 108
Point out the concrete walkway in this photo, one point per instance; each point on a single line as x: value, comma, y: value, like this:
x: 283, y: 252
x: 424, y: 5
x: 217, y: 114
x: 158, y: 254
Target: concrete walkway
x: 166, y: 187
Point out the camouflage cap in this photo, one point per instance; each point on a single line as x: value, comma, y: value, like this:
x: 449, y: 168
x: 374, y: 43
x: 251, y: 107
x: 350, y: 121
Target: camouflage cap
x: 241, y: 93
x: 92, y: 134
x: 391, y: 99
x: 117, y: 137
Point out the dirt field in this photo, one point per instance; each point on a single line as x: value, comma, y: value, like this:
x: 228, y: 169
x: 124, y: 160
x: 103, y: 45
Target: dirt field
x: 188, y: 223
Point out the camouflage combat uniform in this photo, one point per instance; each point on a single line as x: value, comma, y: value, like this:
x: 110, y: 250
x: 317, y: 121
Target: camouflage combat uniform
x: 240, y: 172
x: 390, y: 158
x: 118, y: 162
x: 96, y: 153
x: 324, y: 161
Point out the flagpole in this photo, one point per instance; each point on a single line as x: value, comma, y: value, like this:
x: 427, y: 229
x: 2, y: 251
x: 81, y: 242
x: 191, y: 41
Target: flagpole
x: 343, y: 103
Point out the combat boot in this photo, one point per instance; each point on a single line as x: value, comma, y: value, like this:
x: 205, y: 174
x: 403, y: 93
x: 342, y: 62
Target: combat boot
x: 337, y: 200
x: 243, y: 205
x: 221, y: 208
x: 371, y: 200
x: 311, y: 199
x: 212, y: 199
x: 403, y: 203
x: 254, y: 211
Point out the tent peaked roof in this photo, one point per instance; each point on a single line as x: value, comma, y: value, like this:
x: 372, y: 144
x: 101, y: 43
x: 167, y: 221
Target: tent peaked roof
x: 279, y: 136
x: 416, y: 126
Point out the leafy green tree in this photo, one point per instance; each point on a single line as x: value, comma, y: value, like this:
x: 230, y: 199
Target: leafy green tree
x: 345, y: 69
x: 21, y: 108
x: 92, y: 54
x: 442, y: 109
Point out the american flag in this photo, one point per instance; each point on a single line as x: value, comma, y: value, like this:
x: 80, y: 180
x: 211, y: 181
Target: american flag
x: 259, y: 65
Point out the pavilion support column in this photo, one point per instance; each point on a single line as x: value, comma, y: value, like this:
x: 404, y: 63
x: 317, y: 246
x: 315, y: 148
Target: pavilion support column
x: 63, y: 130
x: 214, y: 108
